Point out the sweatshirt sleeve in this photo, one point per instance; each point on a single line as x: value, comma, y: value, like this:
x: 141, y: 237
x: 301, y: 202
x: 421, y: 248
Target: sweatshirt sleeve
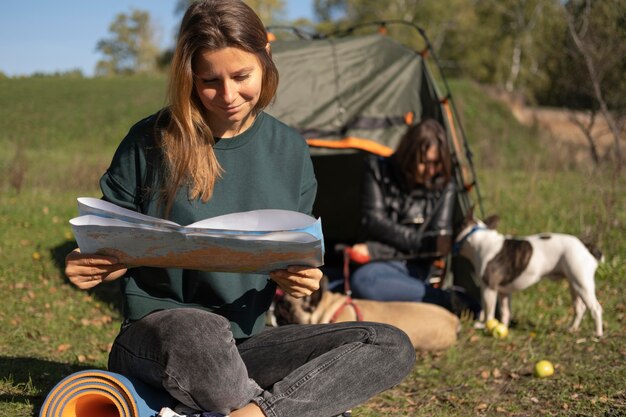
x: 123, y: 183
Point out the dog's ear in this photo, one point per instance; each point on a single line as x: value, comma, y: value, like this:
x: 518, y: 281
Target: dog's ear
x: 468, y: 219
x: 492, y: 221
x: 593, y: 249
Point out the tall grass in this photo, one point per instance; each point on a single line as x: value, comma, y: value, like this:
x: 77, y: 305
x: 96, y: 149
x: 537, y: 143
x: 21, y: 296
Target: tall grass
x: 58, y: 135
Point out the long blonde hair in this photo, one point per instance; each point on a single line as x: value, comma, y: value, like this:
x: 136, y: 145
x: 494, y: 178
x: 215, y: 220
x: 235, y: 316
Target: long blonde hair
x: 187, y: 141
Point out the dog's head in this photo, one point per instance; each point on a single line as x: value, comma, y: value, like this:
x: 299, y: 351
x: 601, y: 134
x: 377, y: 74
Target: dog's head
x: 291, y: 310
x: 471, y: 222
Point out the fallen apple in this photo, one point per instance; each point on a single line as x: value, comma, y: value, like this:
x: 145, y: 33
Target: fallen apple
x: 500, y: 331
x: 544, y: 369
x: 491, y: 323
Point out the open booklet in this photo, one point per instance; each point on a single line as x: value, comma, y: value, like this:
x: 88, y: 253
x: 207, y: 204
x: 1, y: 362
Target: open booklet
x: 252, y: 241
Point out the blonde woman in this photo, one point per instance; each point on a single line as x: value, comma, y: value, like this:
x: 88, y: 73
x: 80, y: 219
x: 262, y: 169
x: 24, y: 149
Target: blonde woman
x: 200, y: 335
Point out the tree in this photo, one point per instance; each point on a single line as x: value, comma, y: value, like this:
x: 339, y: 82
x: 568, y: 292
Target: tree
x: 325, y: 10
x: 598, y: 47
x: 517, y: 39
x: 445, y: 23
x: 503, y: 42
x: 268, y: 10
x: 132, y: 49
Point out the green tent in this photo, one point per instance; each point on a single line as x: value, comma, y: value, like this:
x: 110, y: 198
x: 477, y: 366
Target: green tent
x: 350, y: 95
x: 355, y: 93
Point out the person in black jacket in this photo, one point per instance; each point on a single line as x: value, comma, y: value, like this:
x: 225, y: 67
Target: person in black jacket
x: 407, y: 206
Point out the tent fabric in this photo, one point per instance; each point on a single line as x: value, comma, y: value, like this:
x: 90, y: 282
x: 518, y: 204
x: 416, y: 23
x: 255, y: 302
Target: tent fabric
x: 350, y: 96
x: 360, y: 88
x: 354, y: 95
x: 97, y: 393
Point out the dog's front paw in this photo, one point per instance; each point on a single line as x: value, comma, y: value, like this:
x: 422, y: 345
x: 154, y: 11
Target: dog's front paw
x: 479, y: 325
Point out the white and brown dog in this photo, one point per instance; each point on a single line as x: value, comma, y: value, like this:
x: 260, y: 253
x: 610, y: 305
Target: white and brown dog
x: 430, y: 327
x: 504, y: 264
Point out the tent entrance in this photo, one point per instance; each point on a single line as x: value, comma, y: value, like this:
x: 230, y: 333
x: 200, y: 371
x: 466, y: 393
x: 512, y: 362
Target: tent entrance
x: 350, y: 95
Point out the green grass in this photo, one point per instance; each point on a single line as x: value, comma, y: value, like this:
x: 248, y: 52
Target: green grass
x: 58, y: 136
x: 68, y: 127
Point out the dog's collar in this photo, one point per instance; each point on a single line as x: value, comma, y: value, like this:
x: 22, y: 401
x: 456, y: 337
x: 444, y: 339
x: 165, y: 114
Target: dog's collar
x: 456, y: 248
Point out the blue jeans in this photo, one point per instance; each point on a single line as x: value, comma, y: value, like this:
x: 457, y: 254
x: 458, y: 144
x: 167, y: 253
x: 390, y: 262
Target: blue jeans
x: 396, y: 281
x: 296, y: 370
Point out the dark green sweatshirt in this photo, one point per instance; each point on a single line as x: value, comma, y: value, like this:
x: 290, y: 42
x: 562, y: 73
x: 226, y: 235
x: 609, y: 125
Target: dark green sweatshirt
x: 267, y: 166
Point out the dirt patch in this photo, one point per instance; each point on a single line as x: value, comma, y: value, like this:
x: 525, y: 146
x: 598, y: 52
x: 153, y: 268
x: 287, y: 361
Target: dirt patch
x: 560, y: 125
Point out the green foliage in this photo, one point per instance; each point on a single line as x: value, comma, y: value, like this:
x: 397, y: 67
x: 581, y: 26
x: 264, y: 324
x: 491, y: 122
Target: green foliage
x: 60, y: 133
x: 602, y: 29
x: 132, y: 49
x: 267, y: 10
x: 325, y: 10
x: 523, y: 46
x: 516, y: 40
x: 433, y: 16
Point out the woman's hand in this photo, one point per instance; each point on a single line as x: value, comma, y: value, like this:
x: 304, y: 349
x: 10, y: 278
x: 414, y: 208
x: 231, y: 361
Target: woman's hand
x: 87, y: 270
x: 297, y: 281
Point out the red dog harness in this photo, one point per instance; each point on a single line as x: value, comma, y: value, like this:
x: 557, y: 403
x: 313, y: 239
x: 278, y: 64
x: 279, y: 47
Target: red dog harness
x: 346, y: 287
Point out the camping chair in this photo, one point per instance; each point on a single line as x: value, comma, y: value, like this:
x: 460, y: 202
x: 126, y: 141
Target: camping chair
x: 350, y: 94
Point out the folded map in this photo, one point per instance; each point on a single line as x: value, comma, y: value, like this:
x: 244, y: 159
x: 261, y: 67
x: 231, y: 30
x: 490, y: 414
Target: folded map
x: 253, y: 241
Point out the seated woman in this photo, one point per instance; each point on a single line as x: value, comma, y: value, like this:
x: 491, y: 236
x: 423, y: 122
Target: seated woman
x: 407, y: 206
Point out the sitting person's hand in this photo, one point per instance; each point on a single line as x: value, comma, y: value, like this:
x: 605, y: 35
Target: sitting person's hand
x: 88, y: 270
x: 297, y: 281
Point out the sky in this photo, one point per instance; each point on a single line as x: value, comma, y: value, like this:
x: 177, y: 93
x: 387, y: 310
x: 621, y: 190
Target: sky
x: 49, y: 36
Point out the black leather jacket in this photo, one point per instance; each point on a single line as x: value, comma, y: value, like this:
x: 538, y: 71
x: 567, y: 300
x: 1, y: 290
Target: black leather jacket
x: 401, y: 223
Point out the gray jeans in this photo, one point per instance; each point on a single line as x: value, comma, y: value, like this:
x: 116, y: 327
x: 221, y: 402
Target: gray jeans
x: 297, y: 370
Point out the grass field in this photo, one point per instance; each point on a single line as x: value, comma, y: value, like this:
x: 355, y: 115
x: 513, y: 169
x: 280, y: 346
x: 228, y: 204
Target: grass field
x: 58, y: 135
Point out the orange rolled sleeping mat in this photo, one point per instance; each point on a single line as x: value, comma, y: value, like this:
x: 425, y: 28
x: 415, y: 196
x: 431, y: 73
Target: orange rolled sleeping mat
x: 97, y: 393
